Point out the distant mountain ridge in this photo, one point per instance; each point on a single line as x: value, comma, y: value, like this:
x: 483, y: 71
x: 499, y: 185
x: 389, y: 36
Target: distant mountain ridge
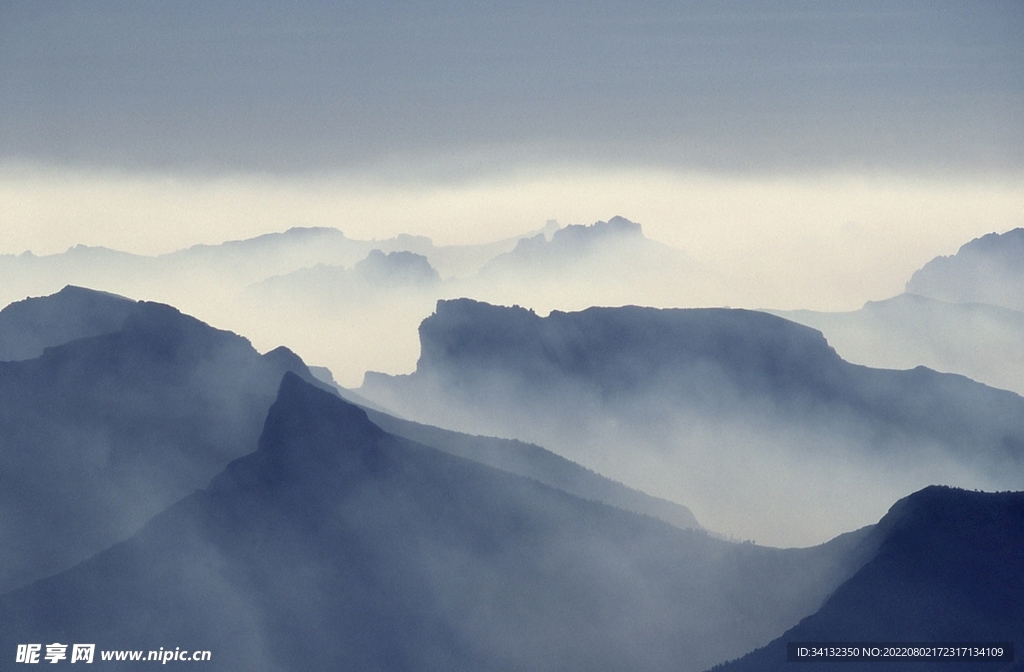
x: 570, y: 242
x: 989, y: 269
x: 336, y: 289
x: 962, y: 313
x: 608, y: 262
x: 983, y: 342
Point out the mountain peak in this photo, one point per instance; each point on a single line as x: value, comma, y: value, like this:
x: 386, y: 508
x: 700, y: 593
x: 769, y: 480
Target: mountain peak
x: 29, y: 326
x: 311, y: 433
x: 395, y: 268
x: 615, y: 227
x: 988, y: 270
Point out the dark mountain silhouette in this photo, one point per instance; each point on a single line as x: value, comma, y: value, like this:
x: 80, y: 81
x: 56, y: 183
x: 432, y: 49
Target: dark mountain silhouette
x: 988, y: 270
x: 947, y: 569
x: 30, y: 326
x: 698, y: 357
x: 101, y: 432
x: 659, y: 392
x: 339, y: 546
x: 980, y: 341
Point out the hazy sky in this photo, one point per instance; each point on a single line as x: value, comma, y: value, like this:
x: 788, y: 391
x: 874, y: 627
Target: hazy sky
x: 829, y: 150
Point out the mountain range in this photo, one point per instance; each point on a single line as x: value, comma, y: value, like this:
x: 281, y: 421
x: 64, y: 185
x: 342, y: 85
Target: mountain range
x: 362, y: 298
x: 164, y: 484
x: 606, y: 263
x: 709, y: 402
x: 336, y: 545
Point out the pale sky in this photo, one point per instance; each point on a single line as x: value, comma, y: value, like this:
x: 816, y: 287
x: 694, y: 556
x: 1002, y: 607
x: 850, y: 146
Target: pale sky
x: 821, y: 153
x: 828, y: 242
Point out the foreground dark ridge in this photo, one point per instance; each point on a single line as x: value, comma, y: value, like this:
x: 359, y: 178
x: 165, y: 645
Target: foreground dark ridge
x: 947, y: 569
x: 338, y: 546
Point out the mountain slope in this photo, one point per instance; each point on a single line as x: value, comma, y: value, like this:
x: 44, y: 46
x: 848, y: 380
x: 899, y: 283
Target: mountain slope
x: 947, y: 569
x: 699, y: 405
x: 102, y: 432
x: 338, y: 546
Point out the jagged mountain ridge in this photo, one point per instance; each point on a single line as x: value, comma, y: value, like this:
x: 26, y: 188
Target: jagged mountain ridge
x: 338, y: 546
x: 394, y: 277
x: 567, y: 244
x: 605, y: 263
x: 236, y: 263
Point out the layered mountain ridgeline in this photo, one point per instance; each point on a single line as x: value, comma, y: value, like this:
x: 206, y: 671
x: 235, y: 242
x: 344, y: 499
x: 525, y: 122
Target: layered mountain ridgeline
x: 309, y: 303
x: 228, y: 267
x: 708, y: 401
x: 988, y: 270
x: 130, y: 406
x: 947, y: 569
x: 339, y: 546
x: 983, y: 342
